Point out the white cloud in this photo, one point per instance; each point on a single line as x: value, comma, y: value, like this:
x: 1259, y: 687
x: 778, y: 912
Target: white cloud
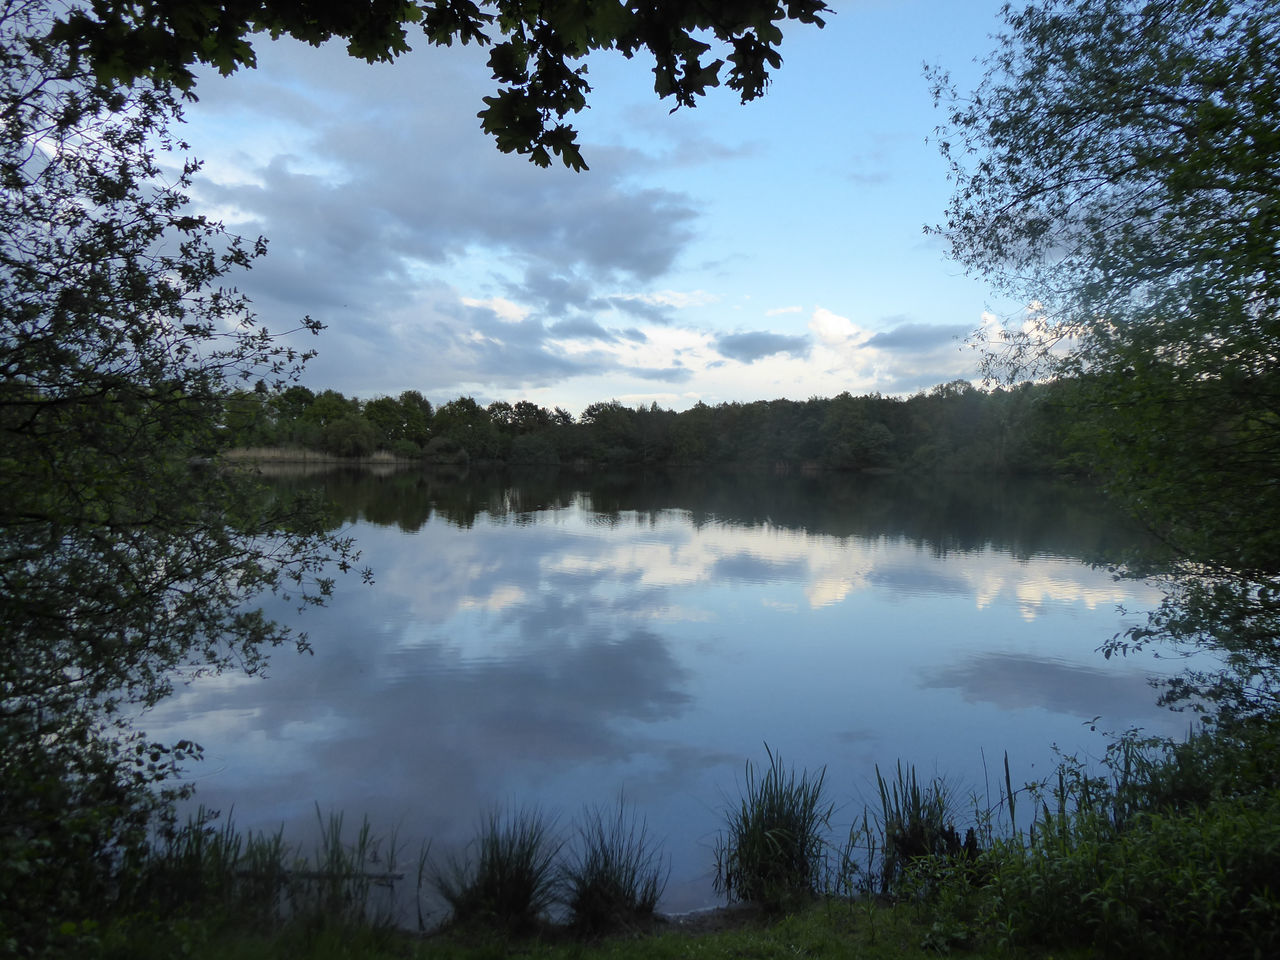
x: 837, y: 332
x: 677, y: 299
x: 828, y: 590
x: 504, y: 309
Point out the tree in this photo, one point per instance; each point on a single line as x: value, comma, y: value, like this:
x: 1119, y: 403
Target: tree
x: 287, y: 409
x: 389, y: 419
x: 537, y: 46
x: 350, y: 437
x: 466, y: 425
x: 502, y: 416
x: 528, y: 417
x: 330, y: 406
x: 124, y: 565
x: 417, y: 417
x: 1117, y: 168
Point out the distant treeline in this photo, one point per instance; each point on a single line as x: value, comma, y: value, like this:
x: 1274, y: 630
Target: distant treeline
x: 953, y: 427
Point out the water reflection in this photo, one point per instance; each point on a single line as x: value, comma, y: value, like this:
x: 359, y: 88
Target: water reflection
x: 1014, y: 682
x: 557, y: 639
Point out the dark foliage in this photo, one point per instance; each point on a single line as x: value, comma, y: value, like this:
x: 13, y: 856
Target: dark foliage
x: 537, y: 47
x: 1142, y: 227
x: 124, y: 566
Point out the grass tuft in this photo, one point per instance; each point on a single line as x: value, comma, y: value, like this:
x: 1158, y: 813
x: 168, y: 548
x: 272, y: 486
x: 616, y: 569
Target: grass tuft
x: 775, y: 849
x: 917, y: 822
x: 615, y: 877
x: 509, y: 879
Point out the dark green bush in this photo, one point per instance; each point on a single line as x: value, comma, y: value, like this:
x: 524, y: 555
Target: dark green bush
x: 1190, y: 884
x: 445, y: 450
x: 350, y: 437
x: 406, y: 449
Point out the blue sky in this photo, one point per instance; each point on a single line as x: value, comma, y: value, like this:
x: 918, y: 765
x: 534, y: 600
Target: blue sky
x: 724, y: 253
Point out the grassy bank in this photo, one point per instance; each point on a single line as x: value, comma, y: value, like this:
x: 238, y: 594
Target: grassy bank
x: 1160, y: 850
x: 831, y: 929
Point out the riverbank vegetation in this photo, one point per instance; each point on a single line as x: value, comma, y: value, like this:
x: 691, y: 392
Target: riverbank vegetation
x: 1159, y: 849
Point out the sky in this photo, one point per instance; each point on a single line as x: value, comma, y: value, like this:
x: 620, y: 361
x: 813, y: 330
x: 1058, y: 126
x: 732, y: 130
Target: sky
x: 726, y: 253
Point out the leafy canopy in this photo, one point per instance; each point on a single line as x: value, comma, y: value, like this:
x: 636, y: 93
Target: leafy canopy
x: 537, y: 46
x: 1117, y: 167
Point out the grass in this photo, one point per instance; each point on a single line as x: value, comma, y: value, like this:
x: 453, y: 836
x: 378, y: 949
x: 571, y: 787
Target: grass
x: 822, y: 929
x: 1164, y: 849
x: 342, y: 884
x: 210, y: 867
x: 509, y: 878
x: 774, y: 850
x: 209, y: 870
x: 615, y: 876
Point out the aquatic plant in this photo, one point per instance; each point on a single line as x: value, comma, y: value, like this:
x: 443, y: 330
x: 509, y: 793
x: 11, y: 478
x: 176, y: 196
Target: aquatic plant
x: 338, y: 887
x: 510, y: 877
x: 917, y: 822
x: 773, y: 851
x: 615, y: 876
x: 207, y: 868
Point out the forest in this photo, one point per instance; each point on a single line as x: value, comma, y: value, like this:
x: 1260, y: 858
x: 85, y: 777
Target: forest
x: 953, y: 427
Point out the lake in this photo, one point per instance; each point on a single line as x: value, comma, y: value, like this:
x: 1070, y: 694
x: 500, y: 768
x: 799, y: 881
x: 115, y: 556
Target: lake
x: 556, y: 639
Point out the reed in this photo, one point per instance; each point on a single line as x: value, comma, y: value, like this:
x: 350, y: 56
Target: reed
x: 346, y: 884
x: 916, y: 822
x: 773, y: 852
x: 285, y: 454
x: 210, y: 869
x: 214, y: 871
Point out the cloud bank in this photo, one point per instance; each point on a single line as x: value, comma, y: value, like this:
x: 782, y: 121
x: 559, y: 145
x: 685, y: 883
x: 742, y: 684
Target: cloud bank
x: 438, y: 263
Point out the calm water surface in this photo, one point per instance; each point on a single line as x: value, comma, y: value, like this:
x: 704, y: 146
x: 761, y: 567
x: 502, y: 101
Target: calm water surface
x: 556, y: 639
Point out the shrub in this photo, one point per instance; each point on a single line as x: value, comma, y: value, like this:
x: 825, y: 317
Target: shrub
x: 406, y: 449
x: 510, y: 878
x: 774, y: 852
x: 445, y: 450
x: 1178, y: 884
x: 1173, y: 852
x: 616, y: 876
